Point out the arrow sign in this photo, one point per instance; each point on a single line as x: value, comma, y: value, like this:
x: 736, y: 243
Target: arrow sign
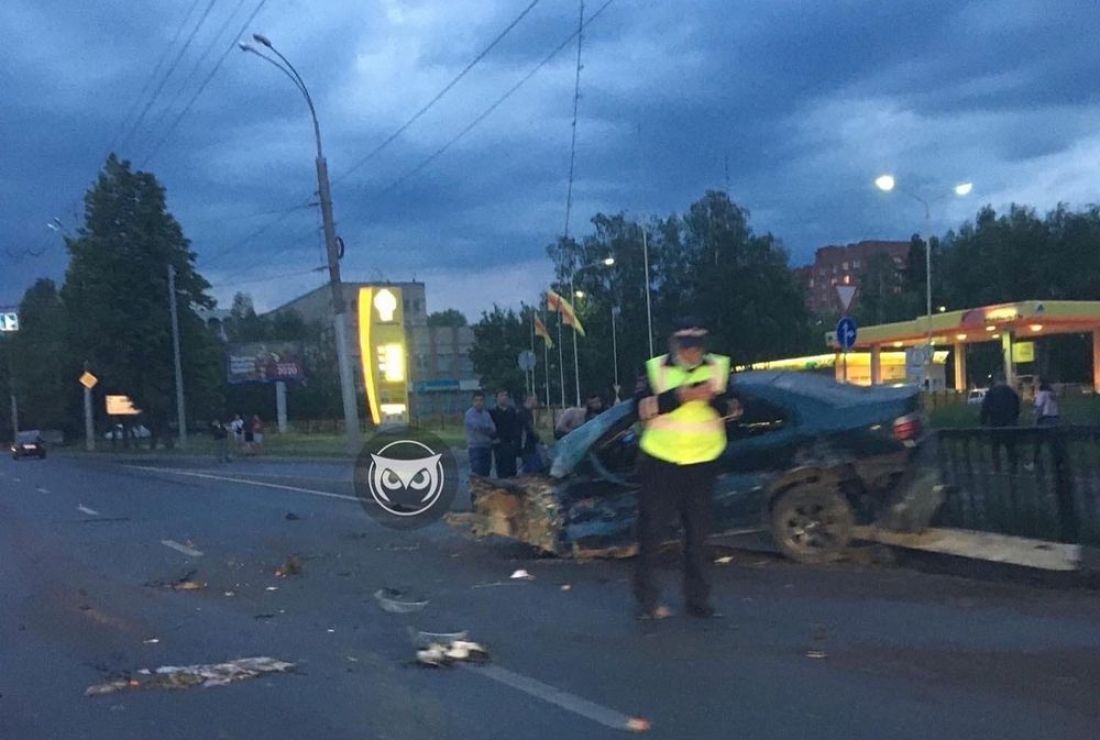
x: 846, y: 333
x: 845, y: 293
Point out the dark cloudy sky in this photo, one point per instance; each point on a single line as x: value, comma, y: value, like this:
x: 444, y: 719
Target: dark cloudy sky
x: 806, y: 100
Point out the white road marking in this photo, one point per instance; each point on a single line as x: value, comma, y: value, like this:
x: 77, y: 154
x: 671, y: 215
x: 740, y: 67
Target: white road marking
x: 84, y: 509
x: 245, y: 481
x: 43, y: 490
x: 189, y: 551
x: 563, y: 699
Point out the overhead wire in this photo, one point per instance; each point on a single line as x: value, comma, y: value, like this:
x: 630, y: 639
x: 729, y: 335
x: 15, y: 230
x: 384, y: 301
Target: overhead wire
x: 283, y: 214
x: 206, y: 81
x: 193, y: 72
x: 439, y: 95
x: 496, y: 104
x: 164, y: 80
x: 152, y: 76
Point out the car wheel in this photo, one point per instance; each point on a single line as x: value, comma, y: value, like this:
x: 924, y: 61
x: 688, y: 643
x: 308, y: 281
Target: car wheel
x: 812, y: 524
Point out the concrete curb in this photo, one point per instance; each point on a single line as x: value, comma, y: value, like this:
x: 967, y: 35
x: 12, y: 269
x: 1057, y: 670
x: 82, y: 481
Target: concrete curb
x: 994, y: 548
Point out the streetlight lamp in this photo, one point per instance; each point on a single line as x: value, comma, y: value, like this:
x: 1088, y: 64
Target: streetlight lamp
x: 605, y: 262
x: 887, y: 183
x: 339, y: 309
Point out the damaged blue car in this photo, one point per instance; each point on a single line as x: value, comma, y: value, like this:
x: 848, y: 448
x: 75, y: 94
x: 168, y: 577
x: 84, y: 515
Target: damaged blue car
x: 807, y: 460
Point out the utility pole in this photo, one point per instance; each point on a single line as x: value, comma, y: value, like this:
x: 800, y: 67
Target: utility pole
x: 181, y: 413
x: 89, y: 424
x: 11, y: 389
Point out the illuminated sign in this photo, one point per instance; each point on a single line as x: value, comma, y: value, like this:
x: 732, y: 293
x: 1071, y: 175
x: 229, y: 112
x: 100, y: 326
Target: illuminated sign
x: 9, y: 320
x: 121, y: 406
x: 384, y: 350
x: 88, y: 380
x: 386, y: 304
x: 1023, y: 352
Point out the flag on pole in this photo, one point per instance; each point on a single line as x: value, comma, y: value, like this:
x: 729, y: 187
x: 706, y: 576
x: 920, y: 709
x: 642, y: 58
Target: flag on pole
x: 555, y: 302
x: 540, y: 331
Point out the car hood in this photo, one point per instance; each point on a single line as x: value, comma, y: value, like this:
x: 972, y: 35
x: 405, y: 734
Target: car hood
x: 573, y: 447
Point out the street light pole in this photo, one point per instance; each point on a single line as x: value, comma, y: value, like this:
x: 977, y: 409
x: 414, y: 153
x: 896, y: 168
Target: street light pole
x: 887, y: 183
x: 606, y: 262
x: 648, y: 307
x: 339, y: 308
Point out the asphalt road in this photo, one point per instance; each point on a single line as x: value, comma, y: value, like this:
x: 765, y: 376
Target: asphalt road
x: 845, y: 651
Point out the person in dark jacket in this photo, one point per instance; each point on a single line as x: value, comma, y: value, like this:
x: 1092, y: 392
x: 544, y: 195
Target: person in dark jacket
x: 529, y: 448
x: 509, y: 438
x: 1001, y: 409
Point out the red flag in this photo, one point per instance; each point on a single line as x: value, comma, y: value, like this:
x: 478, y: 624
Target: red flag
x: 556, y: 303
x: 540, y: 331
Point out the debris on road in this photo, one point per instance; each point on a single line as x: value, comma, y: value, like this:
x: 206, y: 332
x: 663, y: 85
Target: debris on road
x: 815, y: 654
x: 151, y: 641
x: 187, y: 582
x: 184, y: 677
x: 566, y: 587
x: 272, y: 588
x: 264, y: 616
x: 724, y: 560
x: 638, y: 724
x: 397, y: 602
x: 440, y: 654
x: 522, y: 575
x: 292, y: 567
x: 292, y: 517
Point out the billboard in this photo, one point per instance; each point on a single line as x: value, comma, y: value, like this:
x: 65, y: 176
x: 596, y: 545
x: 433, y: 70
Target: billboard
x: 9, y: 319
x: 264, y: 362
x: 121, y: 406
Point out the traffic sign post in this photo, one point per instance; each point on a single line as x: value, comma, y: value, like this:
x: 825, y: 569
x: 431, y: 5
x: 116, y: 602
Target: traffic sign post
x: 846, y: 333
x: 526, y: 361
x: 88, y: 381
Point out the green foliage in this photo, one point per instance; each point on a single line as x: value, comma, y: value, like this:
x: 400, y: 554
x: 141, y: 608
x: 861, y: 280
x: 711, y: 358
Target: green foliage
x: 116, y: 297
x: 42, y: 368
x: 449, y: 318
x: 499, y: 337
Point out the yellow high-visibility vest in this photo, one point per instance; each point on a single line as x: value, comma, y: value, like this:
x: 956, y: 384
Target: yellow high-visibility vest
x: 694, y: 432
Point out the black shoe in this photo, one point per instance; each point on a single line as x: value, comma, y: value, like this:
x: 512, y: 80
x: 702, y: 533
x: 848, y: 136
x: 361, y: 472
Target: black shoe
x: 703, y: 612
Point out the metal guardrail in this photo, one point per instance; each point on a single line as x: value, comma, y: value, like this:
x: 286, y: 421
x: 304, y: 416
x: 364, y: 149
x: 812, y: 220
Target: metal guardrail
x: 1037, y: 482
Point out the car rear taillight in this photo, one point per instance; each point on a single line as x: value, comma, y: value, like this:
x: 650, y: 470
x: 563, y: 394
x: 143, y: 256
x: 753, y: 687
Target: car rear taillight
x: 908, y: 428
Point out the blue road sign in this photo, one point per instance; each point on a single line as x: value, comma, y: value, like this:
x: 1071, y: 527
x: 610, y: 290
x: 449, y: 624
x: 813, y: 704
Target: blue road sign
x: 846, y: 333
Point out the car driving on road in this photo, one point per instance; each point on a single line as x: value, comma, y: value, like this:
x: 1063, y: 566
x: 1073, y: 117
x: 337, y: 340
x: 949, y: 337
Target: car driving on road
x: 807, y: 460
x: 28, y: 444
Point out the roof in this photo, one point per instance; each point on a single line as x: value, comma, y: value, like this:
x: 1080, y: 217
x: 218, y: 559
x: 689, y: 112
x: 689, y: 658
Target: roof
x: 1031, y: 318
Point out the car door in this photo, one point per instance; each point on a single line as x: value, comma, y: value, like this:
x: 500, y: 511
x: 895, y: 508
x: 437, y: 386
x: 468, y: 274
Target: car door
x: 760, y: 446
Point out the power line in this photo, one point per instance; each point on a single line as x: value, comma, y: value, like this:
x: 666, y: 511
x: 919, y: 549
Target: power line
x: 497, y: 103
x: 573, y: 141
x: 439, y: 96
x: 266, y: 278
x: 153, y: 76
x: 206, y: 81
x: 163, y: 114
x: 283, y: 216
x: 168, y: 74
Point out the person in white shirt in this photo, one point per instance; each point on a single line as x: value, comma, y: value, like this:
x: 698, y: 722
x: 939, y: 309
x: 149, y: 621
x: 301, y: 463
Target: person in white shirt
x: 1046, y: 406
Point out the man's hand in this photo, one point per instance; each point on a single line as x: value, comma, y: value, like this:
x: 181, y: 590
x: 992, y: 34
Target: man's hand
x: 701, y: 392
x: 647, y: 408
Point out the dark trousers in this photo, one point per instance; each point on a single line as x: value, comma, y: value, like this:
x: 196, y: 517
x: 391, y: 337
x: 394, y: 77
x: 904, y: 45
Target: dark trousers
x: 481, y: 461
x: 1004, y: 439
x: 504, y: 456
x: 685, y: 491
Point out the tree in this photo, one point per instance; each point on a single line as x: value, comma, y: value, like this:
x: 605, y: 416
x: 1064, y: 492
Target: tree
x: 499, y: 336
x: 449, y: 318
x: 116, y: 297
x: 42, y: 367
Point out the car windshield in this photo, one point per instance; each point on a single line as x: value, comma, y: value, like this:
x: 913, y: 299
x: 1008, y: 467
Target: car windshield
x: 26, y: 438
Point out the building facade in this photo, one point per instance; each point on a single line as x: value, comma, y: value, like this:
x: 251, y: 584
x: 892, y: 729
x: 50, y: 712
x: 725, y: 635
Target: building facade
x: 835, y: 265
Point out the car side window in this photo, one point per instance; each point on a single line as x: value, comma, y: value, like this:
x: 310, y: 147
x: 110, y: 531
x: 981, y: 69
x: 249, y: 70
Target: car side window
x: 757, y: 418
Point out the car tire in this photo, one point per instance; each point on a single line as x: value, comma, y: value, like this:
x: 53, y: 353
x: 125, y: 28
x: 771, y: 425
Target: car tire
x: 812, y: 524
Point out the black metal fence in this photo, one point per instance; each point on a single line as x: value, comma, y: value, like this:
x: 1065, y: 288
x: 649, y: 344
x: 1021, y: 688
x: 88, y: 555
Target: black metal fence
x: 1039, y: 482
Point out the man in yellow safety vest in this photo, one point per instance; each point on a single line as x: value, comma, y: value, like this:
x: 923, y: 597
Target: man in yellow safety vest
x: 684, y: 403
